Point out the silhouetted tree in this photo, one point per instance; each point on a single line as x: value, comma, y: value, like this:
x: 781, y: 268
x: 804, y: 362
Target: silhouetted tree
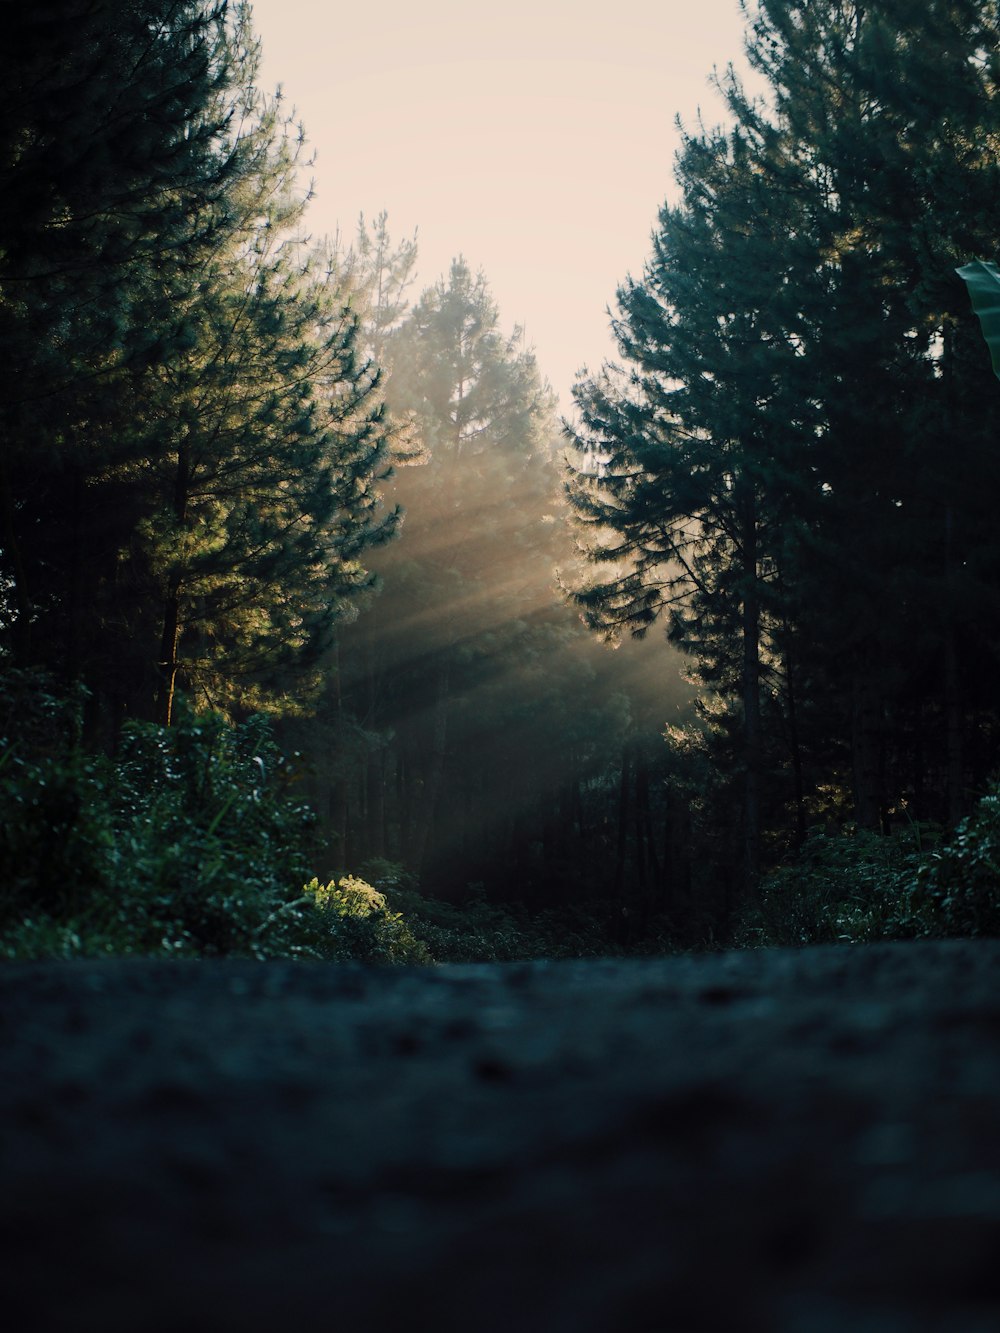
x: 783, y: 468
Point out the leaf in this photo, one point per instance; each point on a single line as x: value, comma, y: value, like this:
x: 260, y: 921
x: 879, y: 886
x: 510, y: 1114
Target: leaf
x: 983, y: 281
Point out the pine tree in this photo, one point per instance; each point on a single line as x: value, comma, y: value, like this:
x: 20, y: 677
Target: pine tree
x: 376, y: 273
x: 461, y: 714
x: 270, y: 467
x: 884, y: 126
x: 766, y: 472
x: 482, y: 415
x: 686, y: 471
x: 109, y: 175
x: 196, y: 443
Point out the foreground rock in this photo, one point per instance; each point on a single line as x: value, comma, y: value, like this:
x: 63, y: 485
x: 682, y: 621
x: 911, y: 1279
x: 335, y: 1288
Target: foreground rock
x: 766, y: 1141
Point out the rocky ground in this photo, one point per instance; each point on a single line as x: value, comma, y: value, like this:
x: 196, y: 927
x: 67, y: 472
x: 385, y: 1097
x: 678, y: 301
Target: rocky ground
x: 790, y: 1142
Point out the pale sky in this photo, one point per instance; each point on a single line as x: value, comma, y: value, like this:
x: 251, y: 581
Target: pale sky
x: 535, y: 137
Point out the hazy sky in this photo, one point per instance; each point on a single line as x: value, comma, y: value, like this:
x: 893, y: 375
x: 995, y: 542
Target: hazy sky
x: 536, y: 137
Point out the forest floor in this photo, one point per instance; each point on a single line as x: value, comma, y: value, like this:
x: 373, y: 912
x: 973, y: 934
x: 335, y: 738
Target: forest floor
x: 790, y: 1142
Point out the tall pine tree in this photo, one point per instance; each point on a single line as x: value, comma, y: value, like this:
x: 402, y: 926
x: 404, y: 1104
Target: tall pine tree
x: 685, y: 476
x: 787, y: 470
x: 212, y: 440
x: 883, y: 124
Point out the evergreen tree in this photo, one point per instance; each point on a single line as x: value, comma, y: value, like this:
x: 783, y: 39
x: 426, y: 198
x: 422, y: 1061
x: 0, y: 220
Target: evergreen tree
x: 481, y: 414
x: 211, y: 455
x: 884, y: 126
x: 473, y: 390
x: 269, y: 470
x: 686, y: 474
x: 376, y: 273
x: 110, y: 115
x: 463, y: 710
x: 766, y: 473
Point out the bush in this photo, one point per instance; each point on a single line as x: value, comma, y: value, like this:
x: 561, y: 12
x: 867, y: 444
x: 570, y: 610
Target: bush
x: 211, y: 842
x: 958, y: 889
x: 860, y: 887
x: 476, y: 932
x: 55, y: 826
x: 189, y: 842
x: 350, y: 919
x: 847, y: 888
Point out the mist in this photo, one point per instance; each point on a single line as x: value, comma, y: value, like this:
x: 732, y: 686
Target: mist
x: 474, y: 730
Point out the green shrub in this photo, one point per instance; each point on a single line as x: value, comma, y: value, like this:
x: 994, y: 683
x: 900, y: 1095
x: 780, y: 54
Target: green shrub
x: 188, y: 842
x: 857, y: 887
x: 210, y: 841
x: 958, y: 889
x: 476, y: 932
x: 847, y: 888
x: 55, y: 827
x: 351, y: 919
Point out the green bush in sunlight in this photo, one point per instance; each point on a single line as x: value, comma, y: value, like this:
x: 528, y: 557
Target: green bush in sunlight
x: 350, y: 919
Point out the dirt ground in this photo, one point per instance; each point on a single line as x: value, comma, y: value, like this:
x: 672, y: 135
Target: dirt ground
x: 790, y: 1142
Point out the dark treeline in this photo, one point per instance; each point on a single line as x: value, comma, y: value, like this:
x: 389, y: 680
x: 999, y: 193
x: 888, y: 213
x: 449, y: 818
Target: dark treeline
x: 245, y: 474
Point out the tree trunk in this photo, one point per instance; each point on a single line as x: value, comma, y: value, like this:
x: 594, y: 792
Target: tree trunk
x: 649, y: 860
x: 954, y: 722
x: 677, y: 854
x: 340, y: 800
x: 168, y: 655
x: 435, y: 770
x: 795, y: 746
x: 375, y: 801
x: 623, y: 809
x: 866, y: 745
x: 21, y: 637
x: 751, y: 695
x: 170, y: 637
x: 954, y: 746
x: 78, y: 610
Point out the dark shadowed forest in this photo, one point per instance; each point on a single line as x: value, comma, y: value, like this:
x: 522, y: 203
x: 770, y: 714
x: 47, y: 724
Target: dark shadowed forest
x: 324, y: 635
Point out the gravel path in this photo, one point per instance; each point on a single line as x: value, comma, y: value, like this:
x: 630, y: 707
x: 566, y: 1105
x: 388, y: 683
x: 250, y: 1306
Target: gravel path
x: 790, y: 1142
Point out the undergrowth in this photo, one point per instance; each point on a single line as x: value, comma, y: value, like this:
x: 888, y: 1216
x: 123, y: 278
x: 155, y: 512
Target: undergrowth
x: 191, y: 842
x: 857, y: 887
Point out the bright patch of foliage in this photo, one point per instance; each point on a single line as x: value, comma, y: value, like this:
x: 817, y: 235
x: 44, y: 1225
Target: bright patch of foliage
x: 357, y: 922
